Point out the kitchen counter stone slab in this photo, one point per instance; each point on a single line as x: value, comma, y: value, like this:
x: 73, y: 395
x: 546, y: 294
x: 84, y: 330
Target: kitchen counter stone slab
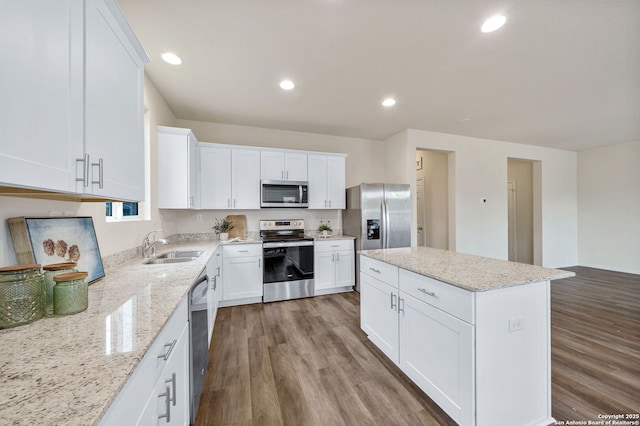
x: 68, y: 370
x: 470, y: 272
x: 333, y: 237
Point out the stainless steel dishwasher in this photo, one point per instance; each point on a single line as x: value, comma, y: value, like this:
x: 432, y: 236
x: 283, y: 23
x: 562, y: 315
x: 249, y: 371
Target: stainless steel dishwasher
x: 198, y: 339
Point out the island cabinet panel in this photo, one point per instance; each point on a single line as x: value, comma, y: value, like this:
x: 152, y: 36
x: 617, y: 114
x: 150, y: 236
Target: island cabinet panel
x: 436, y: 352
x: 379, y: 315
x: 513, y: 356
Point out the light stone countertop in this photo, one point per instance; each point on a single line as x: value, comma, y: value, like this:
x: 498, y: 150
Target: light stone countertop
x: 68, y: 370
x: 333, y: 237
x: 473, y: 273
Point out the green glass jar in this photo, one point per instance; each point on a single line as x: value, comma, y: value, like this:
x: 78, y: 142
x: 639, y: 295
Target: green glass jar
x: 70, y: 294
x: 22, y: 295
x: 51, y: 271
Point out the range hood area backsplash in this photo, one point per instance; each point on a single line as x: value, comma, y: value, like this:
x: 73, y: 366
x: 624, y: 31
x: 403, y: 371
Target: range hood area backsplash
x: 187, y: 221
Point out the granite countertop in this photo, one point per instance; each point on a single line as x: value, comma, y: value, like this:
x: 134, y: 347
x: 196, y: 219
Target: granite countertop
x: 333, y: 237
x: 63, y: 370
x: 474, y: 273
x: 235, y: 241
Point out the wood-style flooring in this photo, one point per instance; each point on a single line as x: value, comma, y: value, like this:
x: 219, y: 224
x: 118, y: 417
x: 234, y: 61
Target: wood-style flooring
x: 306, y: 362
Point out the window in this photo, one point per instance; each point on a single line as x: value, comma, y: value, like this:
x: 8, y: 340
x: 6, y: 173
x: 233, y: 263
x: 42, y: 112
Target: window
x: 117, y: 211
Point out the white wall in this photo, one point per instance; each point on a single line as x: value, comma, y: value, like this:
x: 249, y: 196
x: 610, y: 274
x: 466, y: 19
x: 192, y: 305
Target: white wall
x: 480, y: 173
x: 112, y: 237
x: 363, y: 163
x: 609, y: 207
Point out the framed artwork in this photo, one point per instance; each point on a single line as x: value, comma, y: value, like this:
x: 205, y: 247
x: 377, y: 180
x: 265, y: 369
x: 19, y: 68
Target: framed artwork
x: 57, y: 239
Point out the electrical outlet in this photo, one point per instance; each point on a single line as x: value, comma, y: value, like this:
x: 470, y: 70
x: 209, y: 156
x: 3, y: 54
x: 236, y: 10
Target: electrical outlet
x: 198, y: 218
x: 516, y: 324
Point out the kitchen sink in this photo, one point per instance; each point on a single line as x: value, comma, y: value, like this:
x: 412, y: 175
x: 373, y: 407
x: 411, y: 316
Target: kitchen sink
x: 174, y: 257
x: 180, y: 254
x: 156, y: 261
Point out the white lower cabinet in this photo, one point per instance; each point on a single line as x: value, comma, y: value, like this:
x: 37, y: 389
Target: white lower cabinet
x: 334, y: 266
x: 169, y: 403
x: 160, y: 383
x: 379, y: 315
x: 436, y: 352
x: 214, y: 266
x: 241, y: 274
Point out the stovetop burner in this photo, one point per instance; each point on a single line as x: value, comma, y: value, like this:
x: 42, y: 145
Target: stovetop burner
x: 283, y: 230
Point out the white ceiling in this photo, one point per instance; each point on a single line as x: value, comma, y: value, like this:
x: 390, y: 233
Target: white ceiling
x: 560, y: 73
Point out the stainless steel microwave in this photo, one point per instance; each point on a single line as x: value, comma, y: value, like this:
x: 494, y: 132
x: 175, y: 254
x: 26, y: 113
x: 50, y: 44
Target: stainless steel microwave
x: 283, y: 193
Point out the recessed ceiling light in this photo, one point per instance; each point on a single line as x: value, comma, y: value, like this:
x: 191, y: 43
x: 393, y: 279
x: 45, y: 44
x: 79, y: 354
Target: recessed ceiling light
x: 493, y: 23
x: 389, y: 102
x: 287, y: 85
x: 171, y: 58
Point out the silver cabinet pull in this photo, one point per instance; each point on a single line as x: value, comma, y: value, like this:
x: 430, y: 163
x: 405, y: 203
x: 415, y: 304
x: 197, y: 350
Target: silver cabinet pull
x: 377, y: 271
x: 329, y: 203
x: 167, y: 405
x: 234, y: 203
x: 333, y: 257
x: 393, y: 300
x: 85, y: 170
x: 287, y: 177
x: 432, y: 294
x: 259, y: 263
x: 191, y: 201
x: 243, y: 251
x: 172, y: 397
x: 100, y: 180
x: 171, y: 345
x: 400, y: 305
x: 228, y: 202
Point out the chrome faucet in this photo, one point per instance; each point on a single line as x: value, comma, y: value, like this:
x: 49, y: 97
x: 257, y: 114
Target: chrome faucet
x: 148, y: 246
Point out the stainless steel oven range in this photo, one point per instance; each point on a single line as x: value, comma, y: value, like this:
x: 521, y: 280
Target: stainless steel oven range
x: 288, y: 260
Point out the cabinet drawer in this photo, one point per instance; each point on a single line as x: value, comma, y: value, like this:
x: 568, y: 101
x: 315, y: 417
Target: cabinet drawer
x: 379, y: 270
x: 446, y: 297
x: 242, y: 250
x: 333, y: 245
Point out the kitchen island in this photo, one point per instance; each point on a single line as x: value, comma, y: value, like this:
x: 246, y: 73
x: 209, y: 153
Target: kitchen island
x: 472, y: 332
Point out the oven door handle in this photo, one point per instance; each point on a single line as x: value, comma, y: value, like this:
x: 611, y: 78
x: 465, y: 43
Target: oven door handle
x: 288, y: 244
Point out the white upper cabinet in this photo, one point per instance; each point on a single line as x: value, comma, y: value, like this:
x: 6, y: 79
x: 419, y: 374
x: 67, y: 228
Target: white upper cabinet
x: 178, y: 169
x: 41, y: 87
x: 71, y: 108
x: 277, y: 165
x: 114, y: 106
x: 230, y: 178
x: 326, y: 181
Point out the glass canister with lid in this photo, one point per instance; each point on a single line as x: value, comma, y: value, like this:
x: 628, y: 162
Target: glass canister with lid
x: 70, y: 293
x: 51, y: 271
x: 22, y: 295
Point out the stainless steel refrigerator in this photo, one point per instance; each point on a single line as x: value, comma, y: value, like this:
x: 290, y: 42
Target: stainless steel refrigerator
x: 379, y: 216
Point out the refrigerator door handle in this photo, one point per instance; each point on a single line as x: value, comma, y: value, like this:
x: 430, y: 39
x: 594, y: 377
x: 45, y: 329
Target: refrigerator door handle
x: 385, y: 225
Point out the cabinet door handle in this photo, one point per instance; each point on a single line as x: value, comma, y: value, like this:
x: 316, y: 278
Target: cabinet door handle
x: 167, y: 405
x: 100, y: 180
x: 191, y: 201
x: 234, y: 203
x: 333, y: 257
x: 259, y: 263
x: 228, y: 202
x: 282, y: 174
x: 243, y: 251
x: 430, y: 293
x: 171, y: 345
x: 337, y: 257
x: 287, y: 177
x: 377, y: 271
x: 173, y: 388
x: 325, y: 203
x: 329, y: 203
x: 85, y: 170
x: 393, y: 300
x: 400, y: 305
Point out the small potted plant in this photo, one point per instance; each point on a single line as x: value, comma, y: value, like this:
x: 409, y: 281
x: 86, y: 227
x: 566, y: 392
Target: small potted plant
x: 324, y: 229
x: 222, y: 227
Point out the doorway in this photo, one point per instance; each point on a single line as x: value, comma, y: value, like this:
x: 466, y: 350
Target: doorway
x: 432, y: 198
x: 523, y: 201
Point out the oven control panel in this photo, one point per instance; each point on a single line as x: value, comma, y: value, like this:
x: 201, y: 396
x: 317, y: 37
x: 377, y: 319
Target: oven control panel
x: 285, y: 225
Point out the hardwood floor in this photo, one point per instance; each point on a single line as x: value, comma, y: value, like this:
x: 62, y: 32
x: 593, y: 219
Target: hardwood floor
x: 595, y: 344
x: 306, y: 362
